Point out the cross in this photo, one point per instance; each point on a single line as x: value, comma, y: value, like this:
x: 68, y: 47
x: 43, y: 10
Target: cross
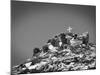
x: 69, y: 29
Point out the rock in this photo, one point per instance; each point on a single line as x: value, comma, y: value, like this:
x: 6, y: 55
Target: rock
x: 64, y: 52
x: 36, y: 51
x: 45, y: 48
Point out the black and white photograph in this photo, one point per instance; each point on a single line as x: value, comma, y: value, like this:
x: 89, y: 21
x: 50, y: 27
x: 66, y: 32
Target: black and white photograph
x: 52, y: 37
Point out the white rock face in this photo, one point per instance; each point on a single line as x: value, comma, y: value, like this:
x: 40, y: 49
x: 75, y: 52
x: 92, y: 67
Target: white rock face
x: 33, y: 66
x: 75, y: 42
x: 60, y: 43
x: 52, y: 48
x: 28, y: 64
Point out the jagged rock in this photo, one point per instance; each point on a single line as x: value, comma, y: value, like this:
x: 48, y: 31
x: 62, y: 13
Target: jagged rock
x: 64, y: 52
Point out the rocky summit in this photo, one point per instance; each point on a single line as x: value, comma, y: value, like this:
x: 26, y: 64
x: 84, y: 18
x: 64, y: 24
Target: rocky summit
x: 64, y: 52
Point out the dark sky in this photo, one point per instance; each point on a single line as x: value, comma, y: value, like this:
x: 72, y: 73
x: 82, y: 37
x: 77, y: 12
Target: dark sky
x: 33, y: 23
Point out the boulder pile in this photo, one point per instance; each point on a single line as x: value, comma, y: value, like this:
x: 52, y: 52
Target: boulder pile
x: 64, y: 52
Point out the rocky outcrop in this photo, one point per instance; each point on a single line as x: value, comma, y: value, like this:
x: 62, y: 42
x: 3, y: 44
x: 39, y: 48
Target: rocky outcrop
x: 65, y: 52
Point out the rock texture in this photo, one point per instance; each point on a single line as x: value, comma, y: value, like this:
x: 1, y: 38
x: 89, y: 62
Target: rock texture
x: 64, y: 52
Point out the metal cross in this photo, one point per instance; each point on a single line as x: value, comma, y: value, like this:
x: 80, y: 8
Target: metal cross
x: 69, y: 29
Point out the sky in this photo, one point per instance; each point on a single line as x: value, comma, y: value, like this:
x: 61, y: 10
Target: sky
x: 33, y: 23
